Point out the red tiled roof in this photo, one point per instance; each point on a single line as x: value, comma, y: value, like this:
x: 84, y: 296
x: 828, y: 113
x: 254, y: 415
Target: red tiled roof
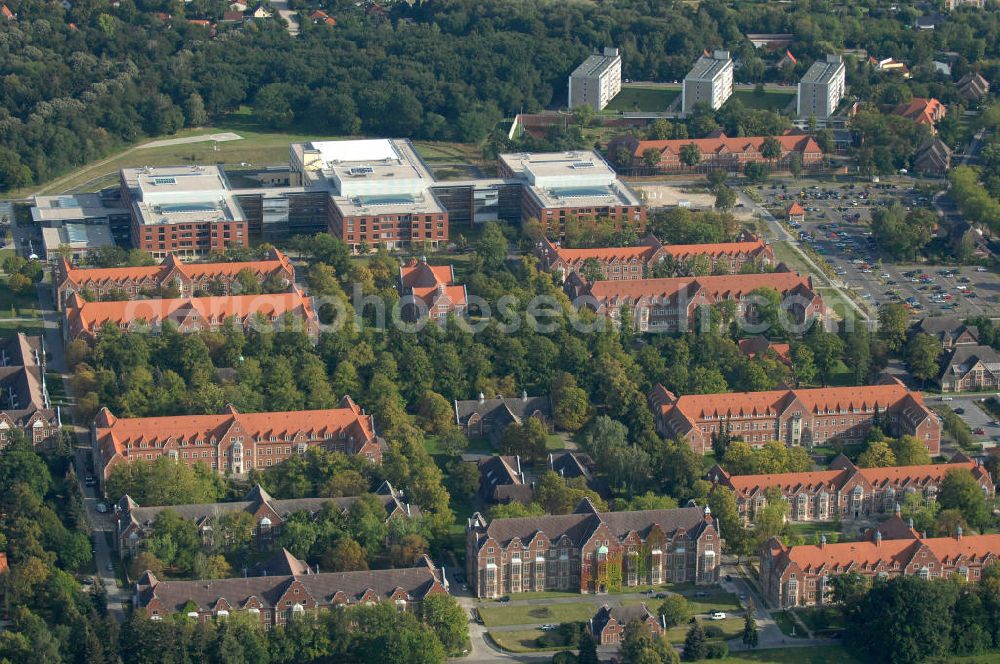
x: 790, y: 57
x: 796, y: 209
x: 754, y: 346
x: 430, y: 293
x: 419, y: 273
x: 734, y: 404
x: 813, y: 557
x: 6, y: 12
x: 115, y: 433
x: 88, y: 317
x: 921, y: 111
x: 920, y: 474
x: 715, y: 286
x: 193, y: 271
x: 789, y: 143
x: 787, y: 482
x: 200, y: 21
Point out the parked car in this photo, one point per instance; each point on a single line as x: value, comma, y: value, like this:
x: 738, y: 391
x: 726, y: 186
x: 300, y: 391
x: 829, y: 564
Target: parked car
x: 102, y: 508
x: 718, y: 615
x: 960, y: 411
x: 548, y: 627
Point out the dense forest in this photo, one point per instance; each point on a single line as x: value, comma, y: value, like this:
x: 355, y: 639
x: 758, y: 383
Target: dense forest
x: 79, y: 83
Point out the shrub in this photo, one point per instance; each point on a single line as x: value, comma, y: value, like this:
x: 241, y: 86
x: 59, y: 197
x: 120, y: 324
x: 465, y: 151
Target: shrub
x: 717, y: 650
x: 714, y: 632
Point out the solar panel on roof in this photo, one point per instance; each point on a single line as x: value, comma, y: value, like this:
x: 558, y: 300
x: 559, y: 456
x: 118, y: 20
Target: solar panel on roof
x: 583, y: 164
x: 360, y: 170
x: 164, y: 180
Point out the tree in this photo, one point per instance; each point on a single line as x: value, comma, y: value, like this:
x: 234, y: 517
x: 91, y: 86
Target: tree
x: 903, y: 620
x: 492, y: 246
x: 145, y: 561
x: 756, y: 171
x: 959, y: 490
x: 716, y: 178
x: 591, y: 270
x: 750, y: 635
x: 195, y: 114
x: 345, y: 556
x: 674, y: 610
x: 570, y: 404
x: 448, y: 621
x: 690, y: 155
x: 878, y: 455
x: 893, y: 322
x: 434, y: 413
x: 902, y: 234
x: 725, y: 198
x: 651, y: 157
x: 722, y: 502
x: 588, y: 649
x: 695, y: 645
x: 922, y: 354
x: 795, y: 165
x: 770, y: 148
x: 910, y: 451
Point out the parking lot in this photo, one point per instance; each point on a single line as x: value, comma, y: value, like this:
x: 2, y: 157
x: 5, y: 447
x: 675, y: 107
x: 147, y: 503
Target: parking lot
x: 836, y: 226
x: 984, y: 427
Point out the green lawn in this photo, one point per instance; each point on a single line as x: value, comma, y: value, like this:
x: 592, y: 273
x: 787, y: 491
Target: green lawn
x: 643, y: 99
x: 730, y: 627
x: 496, y: 616
x: 521, y: 641
x: 767, y: 101
x: 786, y: 624
x: 816, y: 655
x: 548, y: 594
x: 811, y: 530
x: 714, y: 601
x: 821, y: 621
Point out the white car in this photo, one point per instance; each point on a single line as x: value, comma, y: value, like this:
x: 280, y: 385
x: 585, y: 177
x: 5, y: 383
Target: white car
x: 718, y: 615
x: 980, y: 269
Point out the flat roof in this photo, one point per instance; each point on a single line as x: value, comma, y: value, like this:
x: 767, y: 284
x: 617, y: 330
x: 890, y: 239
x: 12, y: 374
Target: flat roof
x: 708, y: 67
x: 595, y: 65
x: 71, y: 207
x: 374, y: 204
x: 823, y: 71
x: 368, y: 166
x: 189, y: 211
x: 613, y: 195
x: 77, y: 237
x: 162, y: 180
x: 576, y: 163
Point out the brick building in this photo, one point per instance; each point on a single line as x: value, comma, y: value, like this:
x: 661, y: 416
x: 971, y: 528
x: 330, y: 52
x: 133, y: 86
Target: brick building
x: 730, y: 154
x: 380, y: 188
x: 927, y: 112
x: 671, y: 304
x: 24, y: 398
x: 631, y: 263
x: 233, y: 443
x: 967, y: 367
x: 608, y: 624
x: 501, y: 480
x: 487, y: 418
x: 185, y: 210
x: 134, y: 524
x: 806, y: 417
x: 432, y: 289
x: 590, y: 551
x: 187, y: 278
x: 950, y: 331
x: 844, y: 492
x: 557, y: 185
x: 754, y: 347
x: 275, y: 599
x: 799, y: 575
x: 190, y: 314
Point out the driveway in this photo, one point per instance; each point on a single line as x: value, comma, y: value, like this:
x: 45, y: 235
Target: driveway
x: 100, y: 526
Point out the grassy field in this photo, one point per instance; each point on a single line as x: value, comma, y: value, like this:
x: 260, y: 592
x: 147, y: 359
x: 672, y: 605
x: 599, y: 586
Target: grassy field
x: 766, y: 101
x: 496, y: 616
x: 643, y: 99
x: 786, y: 624
x: 520, y: 641
x: 821, y: 621
x: 811, y: 530
x: 816, y: 655
x: 730, y: 627
x: 259, y: 146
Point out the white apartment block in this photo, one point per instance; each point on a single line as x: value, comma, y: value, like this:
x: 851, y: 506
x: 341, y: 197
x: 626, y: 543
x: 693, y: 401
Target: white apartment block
x: 596, y: 82
x: 710, y: 82
x: 821, y: 89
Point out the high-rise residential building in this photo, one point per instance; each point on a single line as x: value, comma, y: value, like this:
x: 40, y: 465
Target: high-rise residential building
x: 596, y: 82
x: 710, y: 82
x: 821, y: 89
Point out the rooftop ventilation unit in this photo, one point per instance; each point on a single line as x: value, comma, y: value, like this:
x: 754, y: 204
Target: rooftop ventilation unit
x: 164, y: 180
x: 583, y: 164
x: 360, y: 170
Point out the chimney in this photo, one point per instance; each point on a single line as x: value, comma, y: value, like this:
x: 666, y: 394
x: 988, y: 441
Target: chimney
x: 822, y: 541
x: 524, y: 395
x: 958, y: 533
x: 517, y: 457
x: 909, y: 522
x: 878, y: 538
x: 898, y: 509
x: 923, y: 535
x: 407, y: 509
x: 317, y: 568
x: 482, y: 397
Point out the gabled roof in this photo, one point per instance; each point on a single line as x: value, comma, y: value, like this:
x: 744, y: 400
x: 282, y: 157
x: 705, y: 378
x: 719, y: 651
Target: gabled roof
x: 887, y: 552
x: 420, y: 274
x: 579, y: 526
x: 432, y: 295
x: 202, y: 428
x: 416, y: 582
x: 88, y: 317
x: 920, y: 110
x: 796, y: 209
x: 501, y: 411
x: 789, y: 143
x: 714, y: 287
x: 963, y: 358
x: 754, y: 346
x: 623, y: 615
